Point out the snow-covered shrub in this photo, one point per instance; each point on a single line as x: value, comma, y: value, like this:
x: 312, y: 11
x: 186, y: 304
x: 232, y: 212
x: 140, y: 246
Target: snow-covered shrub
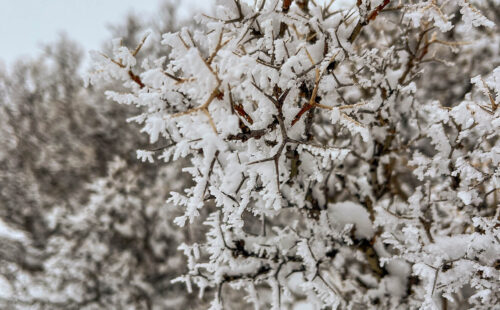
x: 331, y: 172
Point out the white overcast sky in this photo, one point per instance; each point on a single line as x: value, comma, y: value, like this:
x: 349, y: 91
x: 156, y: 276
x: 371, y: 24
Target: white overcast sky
x: 26, y: 24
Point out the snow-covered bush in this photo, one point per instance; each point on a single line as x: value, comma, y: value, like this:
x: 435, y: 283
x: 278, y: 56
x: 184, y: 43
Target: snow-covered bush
x: 346, y: 158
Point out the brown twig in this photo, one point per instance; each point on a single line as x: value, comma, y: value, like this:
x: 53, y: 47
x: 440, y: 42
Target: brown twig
x: 372, y: 16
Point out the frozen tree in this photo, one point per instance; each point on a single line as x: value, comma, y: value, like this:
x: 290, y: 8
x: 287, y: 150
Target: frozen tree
x: 347, y: 158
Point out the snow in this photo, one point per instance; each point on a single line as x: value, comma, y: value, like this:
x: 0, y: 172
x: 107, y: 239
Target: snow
x: 10, y: 233
x: 349, y: 212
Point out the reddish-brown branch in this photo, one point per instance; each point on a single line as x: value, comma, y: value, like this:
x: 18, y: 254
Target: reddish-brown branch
x: 136, y: 79
x: 304, y: 109
x: 241, y: 111
x: 238, y: 107
x: 418, y: 55
x: 286, y: 5
x: 372, y: 16
x: 312, y: 101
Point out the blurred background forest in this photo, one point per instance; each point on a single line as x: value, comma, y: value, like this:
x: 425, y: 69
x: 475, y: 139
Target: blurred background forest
x: 80, y: 228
